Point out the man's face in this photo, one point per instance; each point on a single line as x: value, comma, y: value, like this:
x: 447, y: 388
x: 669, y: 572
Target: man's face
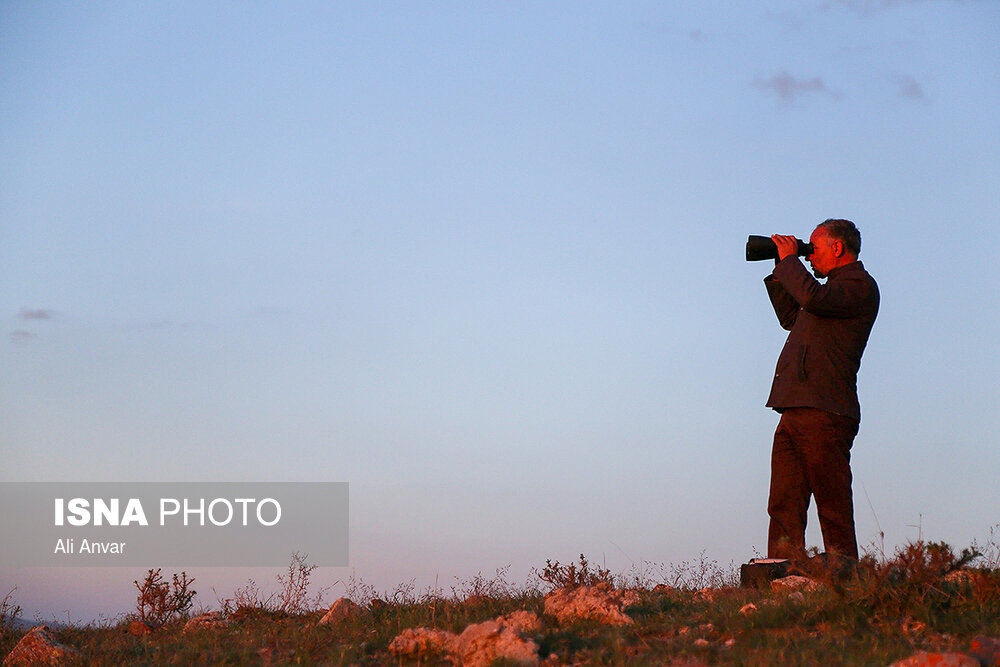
x: 825, y: 254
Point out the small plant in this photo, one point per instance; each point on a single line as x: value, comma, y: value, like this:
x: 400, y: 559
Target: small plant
x: 9, y: 611
x: 159, y: 602
x: 294, y: 595
x: 571, y: 576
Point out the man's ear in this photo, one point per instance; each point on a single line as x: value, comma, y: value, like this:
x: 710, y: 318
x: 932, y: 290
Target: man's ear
x: 838, y: 248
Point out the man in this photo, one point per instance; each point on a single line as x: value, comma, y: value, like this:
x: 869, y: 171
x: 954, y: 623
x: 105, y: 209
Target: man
x: 815, y: 386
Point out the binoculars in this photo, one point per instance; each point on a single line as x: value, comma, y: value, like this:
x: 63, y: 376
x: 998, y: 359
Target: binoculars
x: 762, y: 247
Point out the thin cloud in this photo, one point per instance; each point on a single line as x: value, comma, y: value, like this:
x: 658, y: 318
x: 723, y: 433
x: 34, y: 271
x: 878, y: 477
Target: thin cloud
x: 789, y: 87
x: 36, y: 314
x: 20, y: 335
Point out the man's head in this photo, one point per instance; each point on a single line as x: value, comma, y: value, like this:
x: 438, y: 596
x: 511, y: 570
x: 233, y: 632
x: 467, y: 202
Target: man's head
x: 835, y: 243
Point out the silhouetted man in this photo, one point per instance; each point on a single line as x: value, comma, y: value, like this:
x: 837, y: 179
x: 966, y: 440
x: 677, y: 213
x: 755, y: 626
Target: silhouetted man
x: 815, y: 386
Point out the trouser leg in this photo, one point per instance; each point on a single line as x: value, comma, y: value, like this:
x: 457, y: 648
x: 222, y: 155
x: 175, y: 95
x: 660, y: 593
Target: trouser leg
x: 788, y: 500
x: 811, y: 456
x: 827, y: 447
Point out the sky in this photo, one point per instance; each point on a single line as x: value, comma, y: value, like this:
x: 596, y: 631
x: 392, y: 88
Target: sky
x: 484, y: 262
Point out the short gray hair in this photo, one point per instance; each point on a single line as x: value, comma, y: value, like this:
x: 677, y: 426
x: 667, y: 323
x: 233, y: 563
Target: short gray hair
x: 845, y: 232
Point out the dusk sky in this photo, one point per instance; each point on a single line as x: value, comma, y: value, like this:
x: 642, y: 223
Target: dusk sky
x: 484, y: 262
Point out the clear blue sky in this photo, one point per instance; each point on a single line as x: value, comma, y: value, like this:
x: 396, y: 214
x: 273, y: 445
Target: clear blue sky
x: 484, y: 261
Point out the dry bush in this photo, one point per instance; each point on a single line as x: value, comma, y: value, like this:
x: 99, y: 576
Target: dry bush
x: 915, y: 578
x: 919, y: 564
x: 292, y: 597
x: 159, y: 602
x: 558, y: 575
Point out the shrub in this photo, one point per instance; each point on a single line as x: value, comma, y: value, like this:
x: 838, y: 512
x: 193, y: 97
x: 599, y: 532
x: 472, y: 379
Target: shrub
x: 913, y: 579
x: 570, y: 576
x: 294, y: 595
x: 159, y: 602
x: 292, y: 598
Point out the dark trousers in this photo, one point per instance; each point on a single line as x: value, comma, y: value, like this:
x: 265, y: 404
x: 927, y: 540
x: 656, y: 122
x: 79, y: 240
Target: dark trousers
x: 811, y: 457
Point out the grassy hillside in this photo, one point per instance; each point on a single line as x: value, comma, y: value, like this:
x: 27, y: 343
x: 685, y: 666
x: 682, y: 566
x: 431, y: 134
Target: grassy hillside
x: 925, y: 597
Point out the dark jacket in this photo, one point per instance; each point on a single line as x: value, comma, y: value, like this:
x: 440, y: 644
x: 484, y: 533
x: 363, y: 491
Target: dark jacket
x: 829, y: 325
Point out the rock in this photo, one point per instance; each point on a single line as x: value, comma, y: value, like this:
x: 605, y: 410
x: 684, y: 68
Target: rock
x: 419, y: 642
x: 209, y: 621
x: 479, y: 645
x: 795, y: 583
x: 342, y: 609
x: 522, y: 621
x: 937, y: 660
x: 139, y: 628
x: 986, y: 650
x: 594, y: 603
x: 39, y: 647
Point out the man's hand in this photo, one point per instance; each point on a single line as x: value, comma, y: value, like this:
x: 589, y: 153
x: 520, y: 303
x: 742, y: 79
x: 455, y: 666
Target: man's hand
x: 788, y: 246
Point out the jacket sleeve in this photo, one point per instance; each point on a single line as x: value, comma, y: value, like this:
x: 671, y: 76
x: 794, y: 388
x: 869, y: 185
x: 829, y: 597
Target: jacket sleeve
x: 785, y: 307
x: 839, y: 297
